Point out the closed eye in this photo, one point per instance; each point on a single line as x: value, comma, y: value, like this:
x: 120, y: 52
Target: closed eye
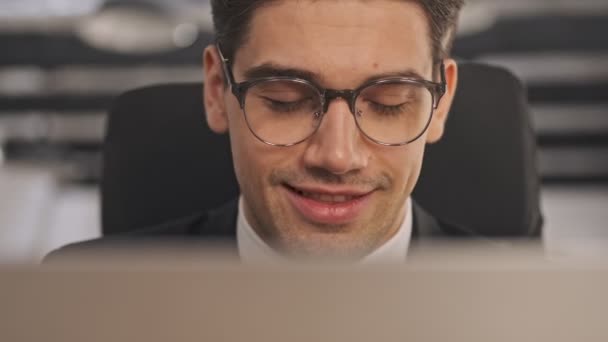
x: 285, y: 106
x: 388, y: 109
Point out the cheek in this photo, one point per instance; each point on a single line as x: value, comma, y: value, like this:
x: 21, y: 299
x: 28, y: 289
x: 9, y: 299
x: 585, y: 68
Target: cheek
x: 241, y: 145
x: 253, y: 160
x: 245, y: 155
x: 404, y: 165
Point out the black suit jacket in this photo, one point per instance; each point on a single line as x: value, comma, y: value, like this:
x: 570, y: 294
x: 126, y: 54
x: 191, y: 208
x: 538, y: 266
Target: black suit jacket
x: 219, y: 226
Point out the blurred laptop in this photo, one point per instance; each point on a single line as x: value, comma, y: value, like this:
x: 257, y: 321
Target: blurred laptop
x: 503, y: 292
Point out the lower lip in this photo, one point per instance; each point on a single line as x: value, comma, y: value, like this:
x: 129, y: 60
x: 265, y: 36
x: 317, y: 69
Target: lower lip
x: 328, y: 213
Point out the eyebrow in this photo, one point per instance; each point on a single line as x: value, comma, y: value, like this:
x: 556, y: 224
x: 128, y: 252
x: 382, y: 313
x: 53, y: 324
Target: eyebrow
x: 274, y: 70
x: 409, y: 73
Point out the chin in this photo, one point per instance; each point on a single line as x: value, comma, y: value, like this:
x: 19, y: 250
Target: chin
x: 311, y: 240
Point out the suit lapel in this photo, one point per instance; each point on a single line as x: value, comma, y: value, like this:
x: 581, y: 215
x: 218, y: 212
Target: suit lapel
x: 220, y: 226
x: 427, y: 226
x: 424, y: 224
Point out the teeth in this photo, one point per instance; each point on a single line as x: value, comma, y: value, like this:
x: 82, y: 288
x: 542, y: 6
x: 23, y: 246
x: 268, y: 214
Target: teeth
x: 327, y: 198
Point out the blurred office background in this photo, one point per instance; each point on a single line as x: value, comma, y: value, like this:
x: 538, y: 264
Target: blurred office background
x: 62, y: 62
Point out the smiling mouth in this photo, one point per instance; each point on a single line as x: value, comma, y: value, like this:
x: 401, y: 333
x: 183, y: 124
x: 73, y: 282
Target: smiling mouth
x: 324, y: 207
x: 323, y: 197
x: 326, y: 198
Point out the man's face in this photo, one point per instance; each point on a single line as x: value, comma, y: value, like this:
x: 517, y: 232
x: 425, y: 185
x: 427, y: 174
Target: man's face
x: 337, y: 193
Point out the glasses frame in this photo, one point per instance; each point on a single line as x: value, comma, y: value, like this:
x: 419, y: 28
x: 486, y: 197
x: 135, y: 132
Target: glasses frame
x: 239, y: 90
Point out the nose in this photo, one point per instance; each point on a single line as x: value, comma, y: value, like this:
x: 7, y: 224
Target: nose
x: 337, y: 146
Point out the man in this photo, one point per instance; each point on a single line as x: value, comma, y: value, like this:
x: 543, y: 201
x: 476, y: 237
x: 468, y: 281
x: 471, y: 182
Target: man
x: 329, y: 106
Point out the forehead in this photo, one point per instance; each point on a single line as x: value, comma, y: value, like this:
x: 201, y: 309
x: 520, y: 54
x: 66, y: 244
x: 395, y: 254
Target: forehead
x: 342, y: 41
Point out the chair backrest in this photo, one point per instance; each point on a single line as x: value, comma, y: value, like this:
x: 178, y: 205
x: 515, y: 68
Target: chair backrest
x: 162, y: 162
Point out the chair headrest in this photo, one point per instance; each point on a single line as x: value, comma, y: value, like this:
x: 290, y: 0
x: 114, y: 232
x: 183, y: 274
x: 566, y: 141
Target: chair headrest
x: 162, y: 162
x: 483, y: 172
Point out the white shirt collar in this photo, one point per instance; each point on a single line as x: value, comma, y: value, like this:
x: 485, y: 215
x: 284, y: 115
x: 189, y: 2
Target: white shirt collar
x: 252, y: 249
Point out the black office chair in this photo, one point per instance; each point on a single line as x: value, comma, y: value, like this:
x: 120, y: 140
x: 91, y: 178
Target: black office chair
x: 162, y: 162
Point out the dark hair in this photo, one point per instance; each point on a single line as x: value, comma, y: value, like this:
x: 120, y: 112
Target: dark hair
x: 232, y: 18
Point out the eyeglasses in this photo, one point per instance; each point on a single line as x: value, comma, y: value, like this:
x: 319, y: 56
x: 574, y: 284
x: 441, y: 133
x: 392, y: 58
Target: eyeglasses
x: 285, y: 111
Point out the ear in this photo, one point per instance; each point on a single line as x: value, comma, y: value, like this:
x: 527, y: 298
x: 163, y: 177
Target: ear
x: 440, y: 115
x: 214, y: 91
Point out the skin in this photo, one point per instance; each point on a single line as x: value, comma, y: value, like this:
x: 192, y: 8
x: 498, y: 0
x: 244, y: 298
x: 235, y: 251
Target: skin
x: 343, y: 43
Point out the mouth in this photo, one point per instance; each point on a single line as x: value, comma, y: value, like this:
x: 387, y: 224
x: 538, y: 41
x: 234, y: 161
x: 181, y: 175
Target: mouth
x: 328, y: 206
x: 326, y: 198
